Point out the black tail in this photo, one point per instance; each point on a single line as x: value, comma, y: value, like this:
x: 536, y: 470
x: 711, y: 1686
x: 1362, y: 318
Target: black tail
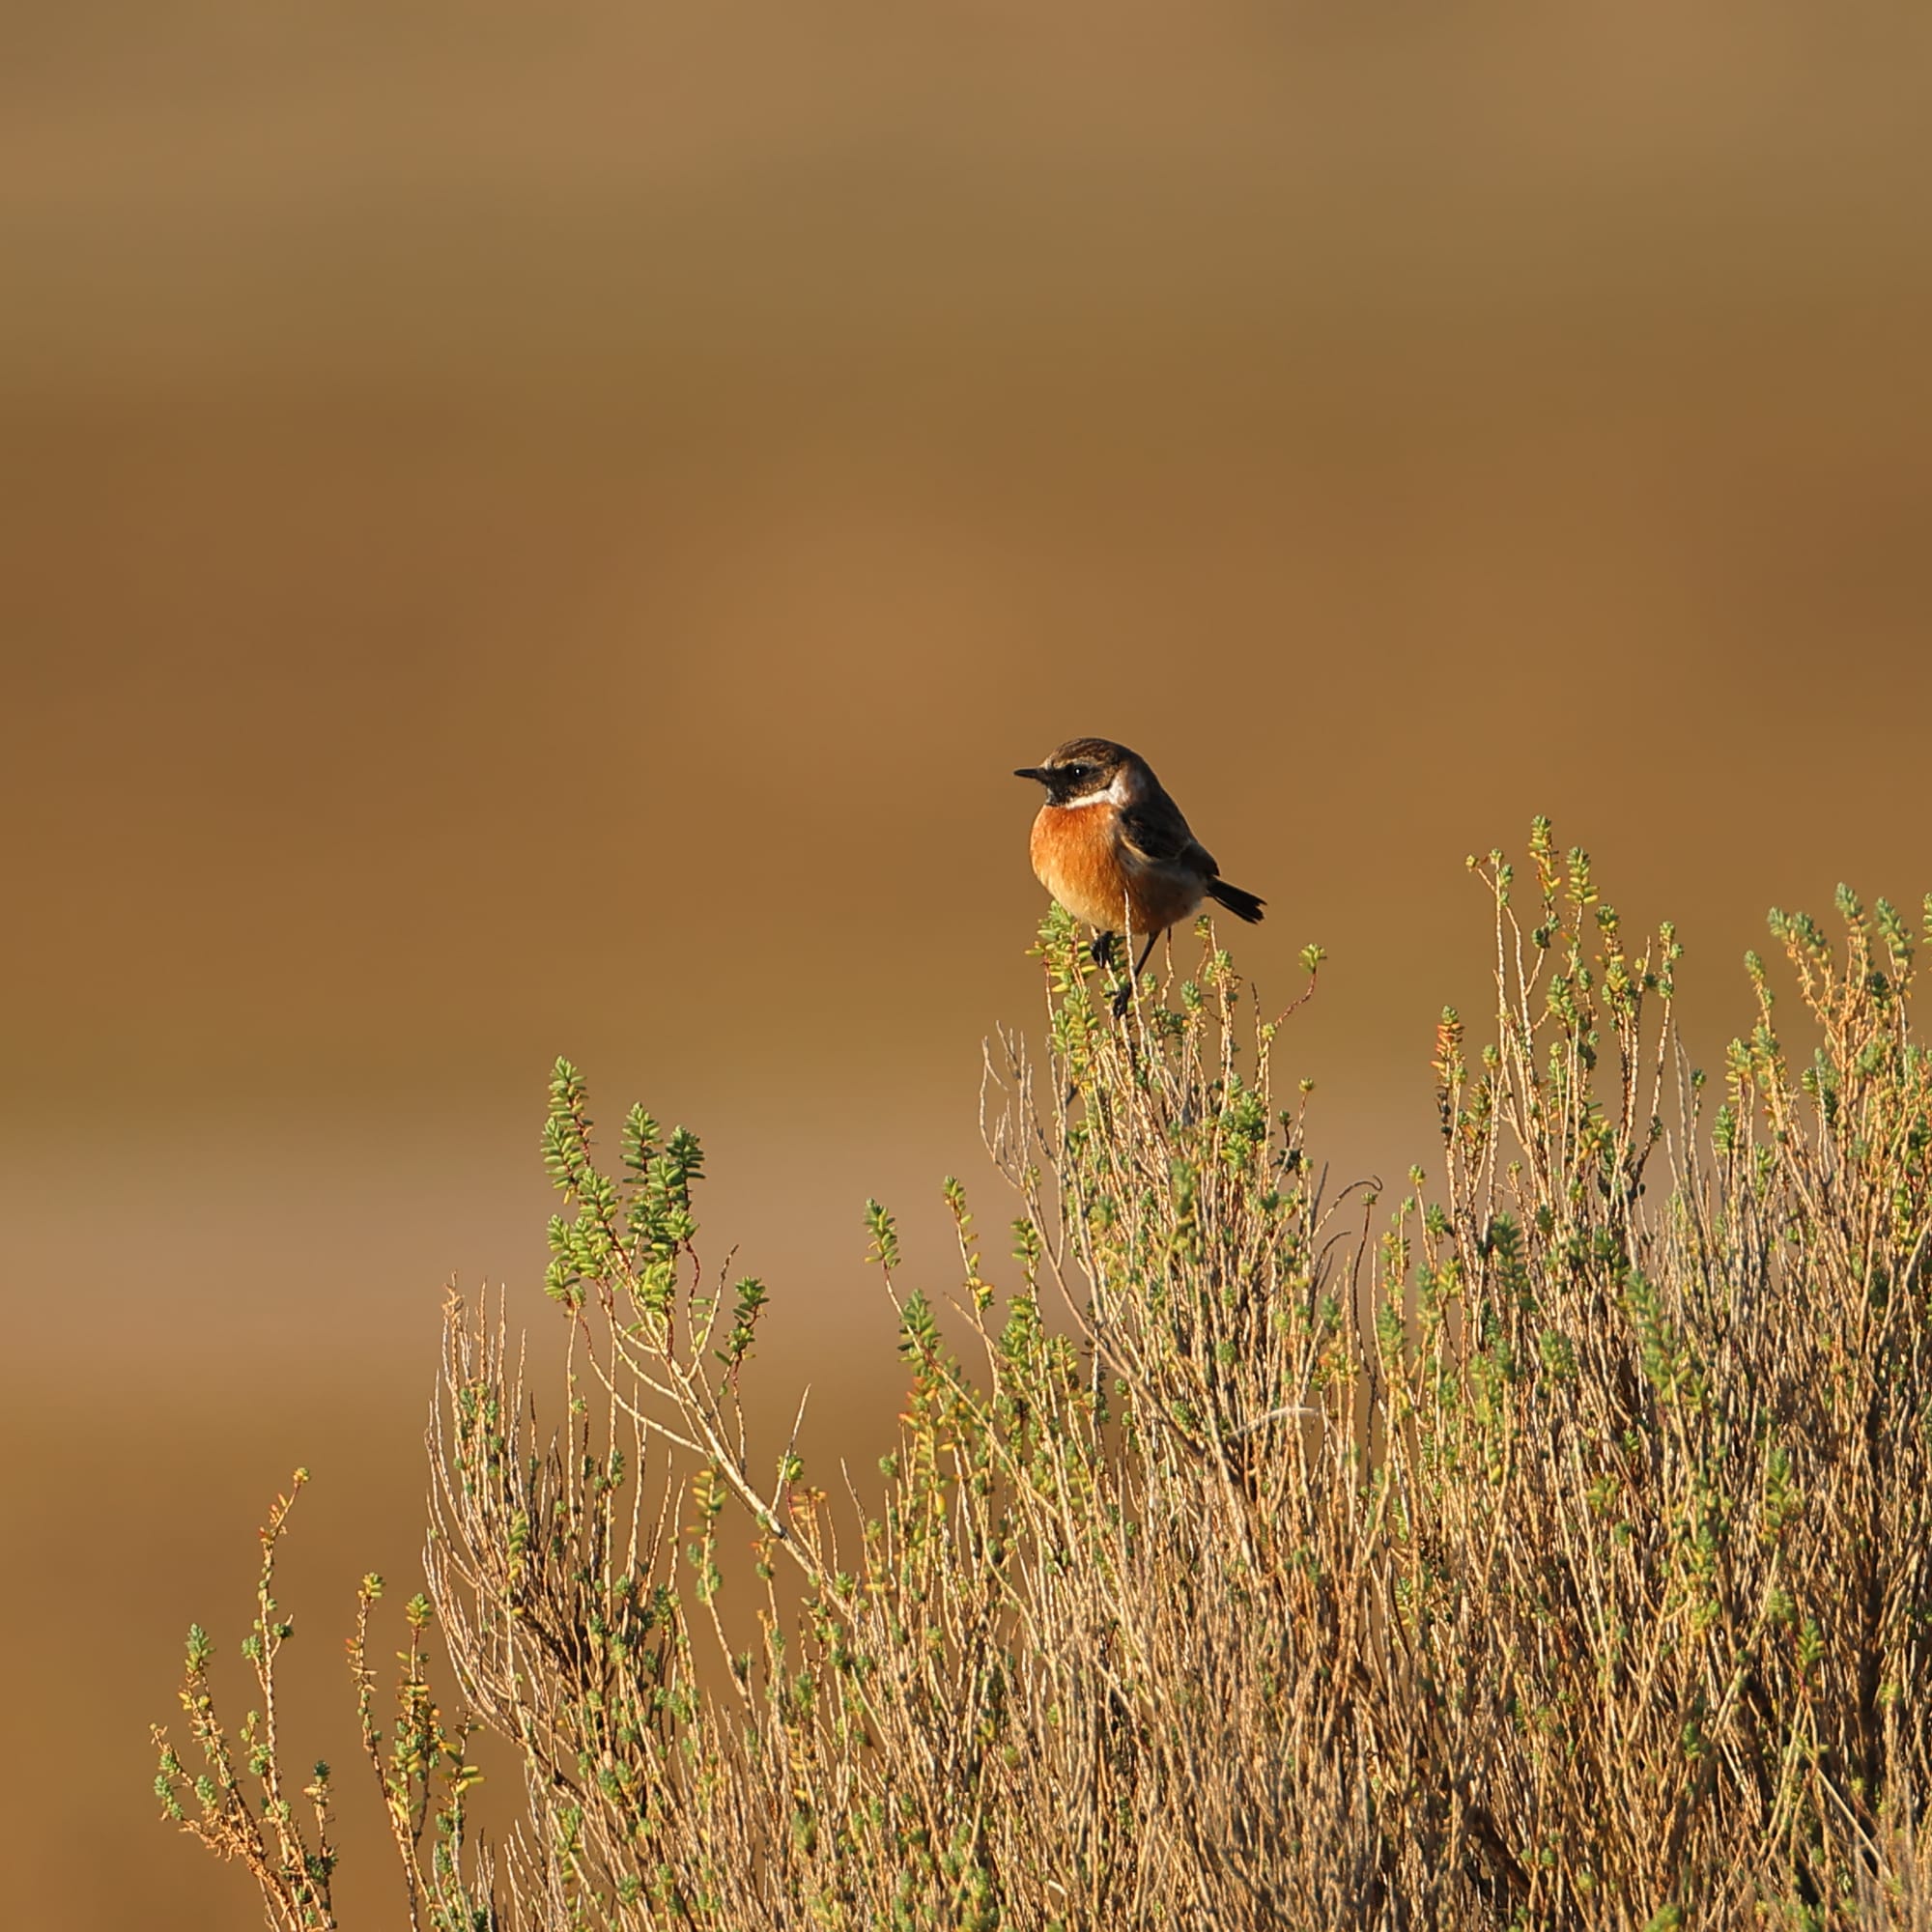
x: 1243, y: 905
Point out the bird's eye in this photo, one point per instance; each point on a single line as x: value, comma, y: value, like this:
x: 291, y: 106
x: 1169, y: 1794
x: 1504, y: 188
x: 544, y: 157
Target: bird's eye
x: 1076, y: 771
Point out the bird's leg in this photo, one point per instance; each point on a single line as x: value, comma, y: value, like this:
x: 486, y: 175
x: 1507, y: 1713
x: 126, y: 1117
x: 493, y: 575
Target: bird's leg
x: 1102, y: 950
x: 1123, y: 994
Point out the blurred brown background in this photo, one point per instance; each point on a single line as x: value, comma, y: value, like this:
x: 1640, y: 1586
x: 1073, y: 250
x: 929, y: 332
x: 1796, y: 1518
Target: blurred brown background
x: 536, y: 530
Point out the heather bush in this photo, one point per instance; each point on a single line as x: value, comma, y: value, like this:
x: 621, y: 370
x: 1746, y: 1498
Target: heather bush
x: 1545, y: 1548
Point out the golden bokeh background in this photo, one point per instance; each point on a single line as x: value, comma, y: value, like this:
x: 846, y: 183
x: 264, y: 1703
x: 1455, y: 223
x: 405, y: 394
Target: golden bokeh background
x: 534, y: 530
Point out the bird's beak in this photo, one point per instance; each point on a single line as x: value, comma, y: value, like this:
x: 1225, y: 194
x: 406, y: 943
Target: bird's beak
x: 1039, y: 773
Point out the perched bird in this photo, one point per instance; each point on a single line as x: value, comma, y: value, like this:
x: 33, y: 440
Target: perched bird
x: 1113, y: 848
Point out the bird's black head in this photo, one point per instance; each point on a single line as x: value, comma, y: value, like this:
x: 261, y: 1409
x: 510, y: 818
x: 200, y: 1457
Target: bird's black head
x: 1082, y: 768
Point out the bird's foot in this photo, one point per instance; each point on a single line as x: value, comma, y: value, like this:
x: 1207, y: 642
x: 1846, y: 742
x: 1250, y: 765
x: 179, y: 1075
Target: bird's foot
x: 1123, y: 997
x: 1102, y: 950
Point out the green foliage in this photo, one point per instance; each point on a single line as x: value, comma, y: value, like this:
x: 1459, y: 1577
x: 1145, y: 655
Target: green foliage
x: 1549, y: 1546
x: 243, y: 1806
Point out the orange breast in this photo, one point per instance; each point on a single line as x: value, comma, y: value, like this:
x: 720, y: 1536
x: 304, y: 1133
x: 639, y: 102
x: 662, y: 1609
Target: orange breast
x: 1078, y: 857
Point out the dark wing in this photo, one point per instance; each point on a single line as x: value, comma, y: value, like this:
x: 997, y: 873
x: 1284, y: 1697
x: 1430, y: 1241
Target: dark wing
x: 1155, y: 831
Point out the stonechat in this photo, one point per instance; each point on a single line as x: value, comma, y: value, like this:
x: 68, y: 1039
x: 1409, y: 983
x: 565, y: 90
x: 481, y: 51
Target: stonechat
x: 1113, y: 848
